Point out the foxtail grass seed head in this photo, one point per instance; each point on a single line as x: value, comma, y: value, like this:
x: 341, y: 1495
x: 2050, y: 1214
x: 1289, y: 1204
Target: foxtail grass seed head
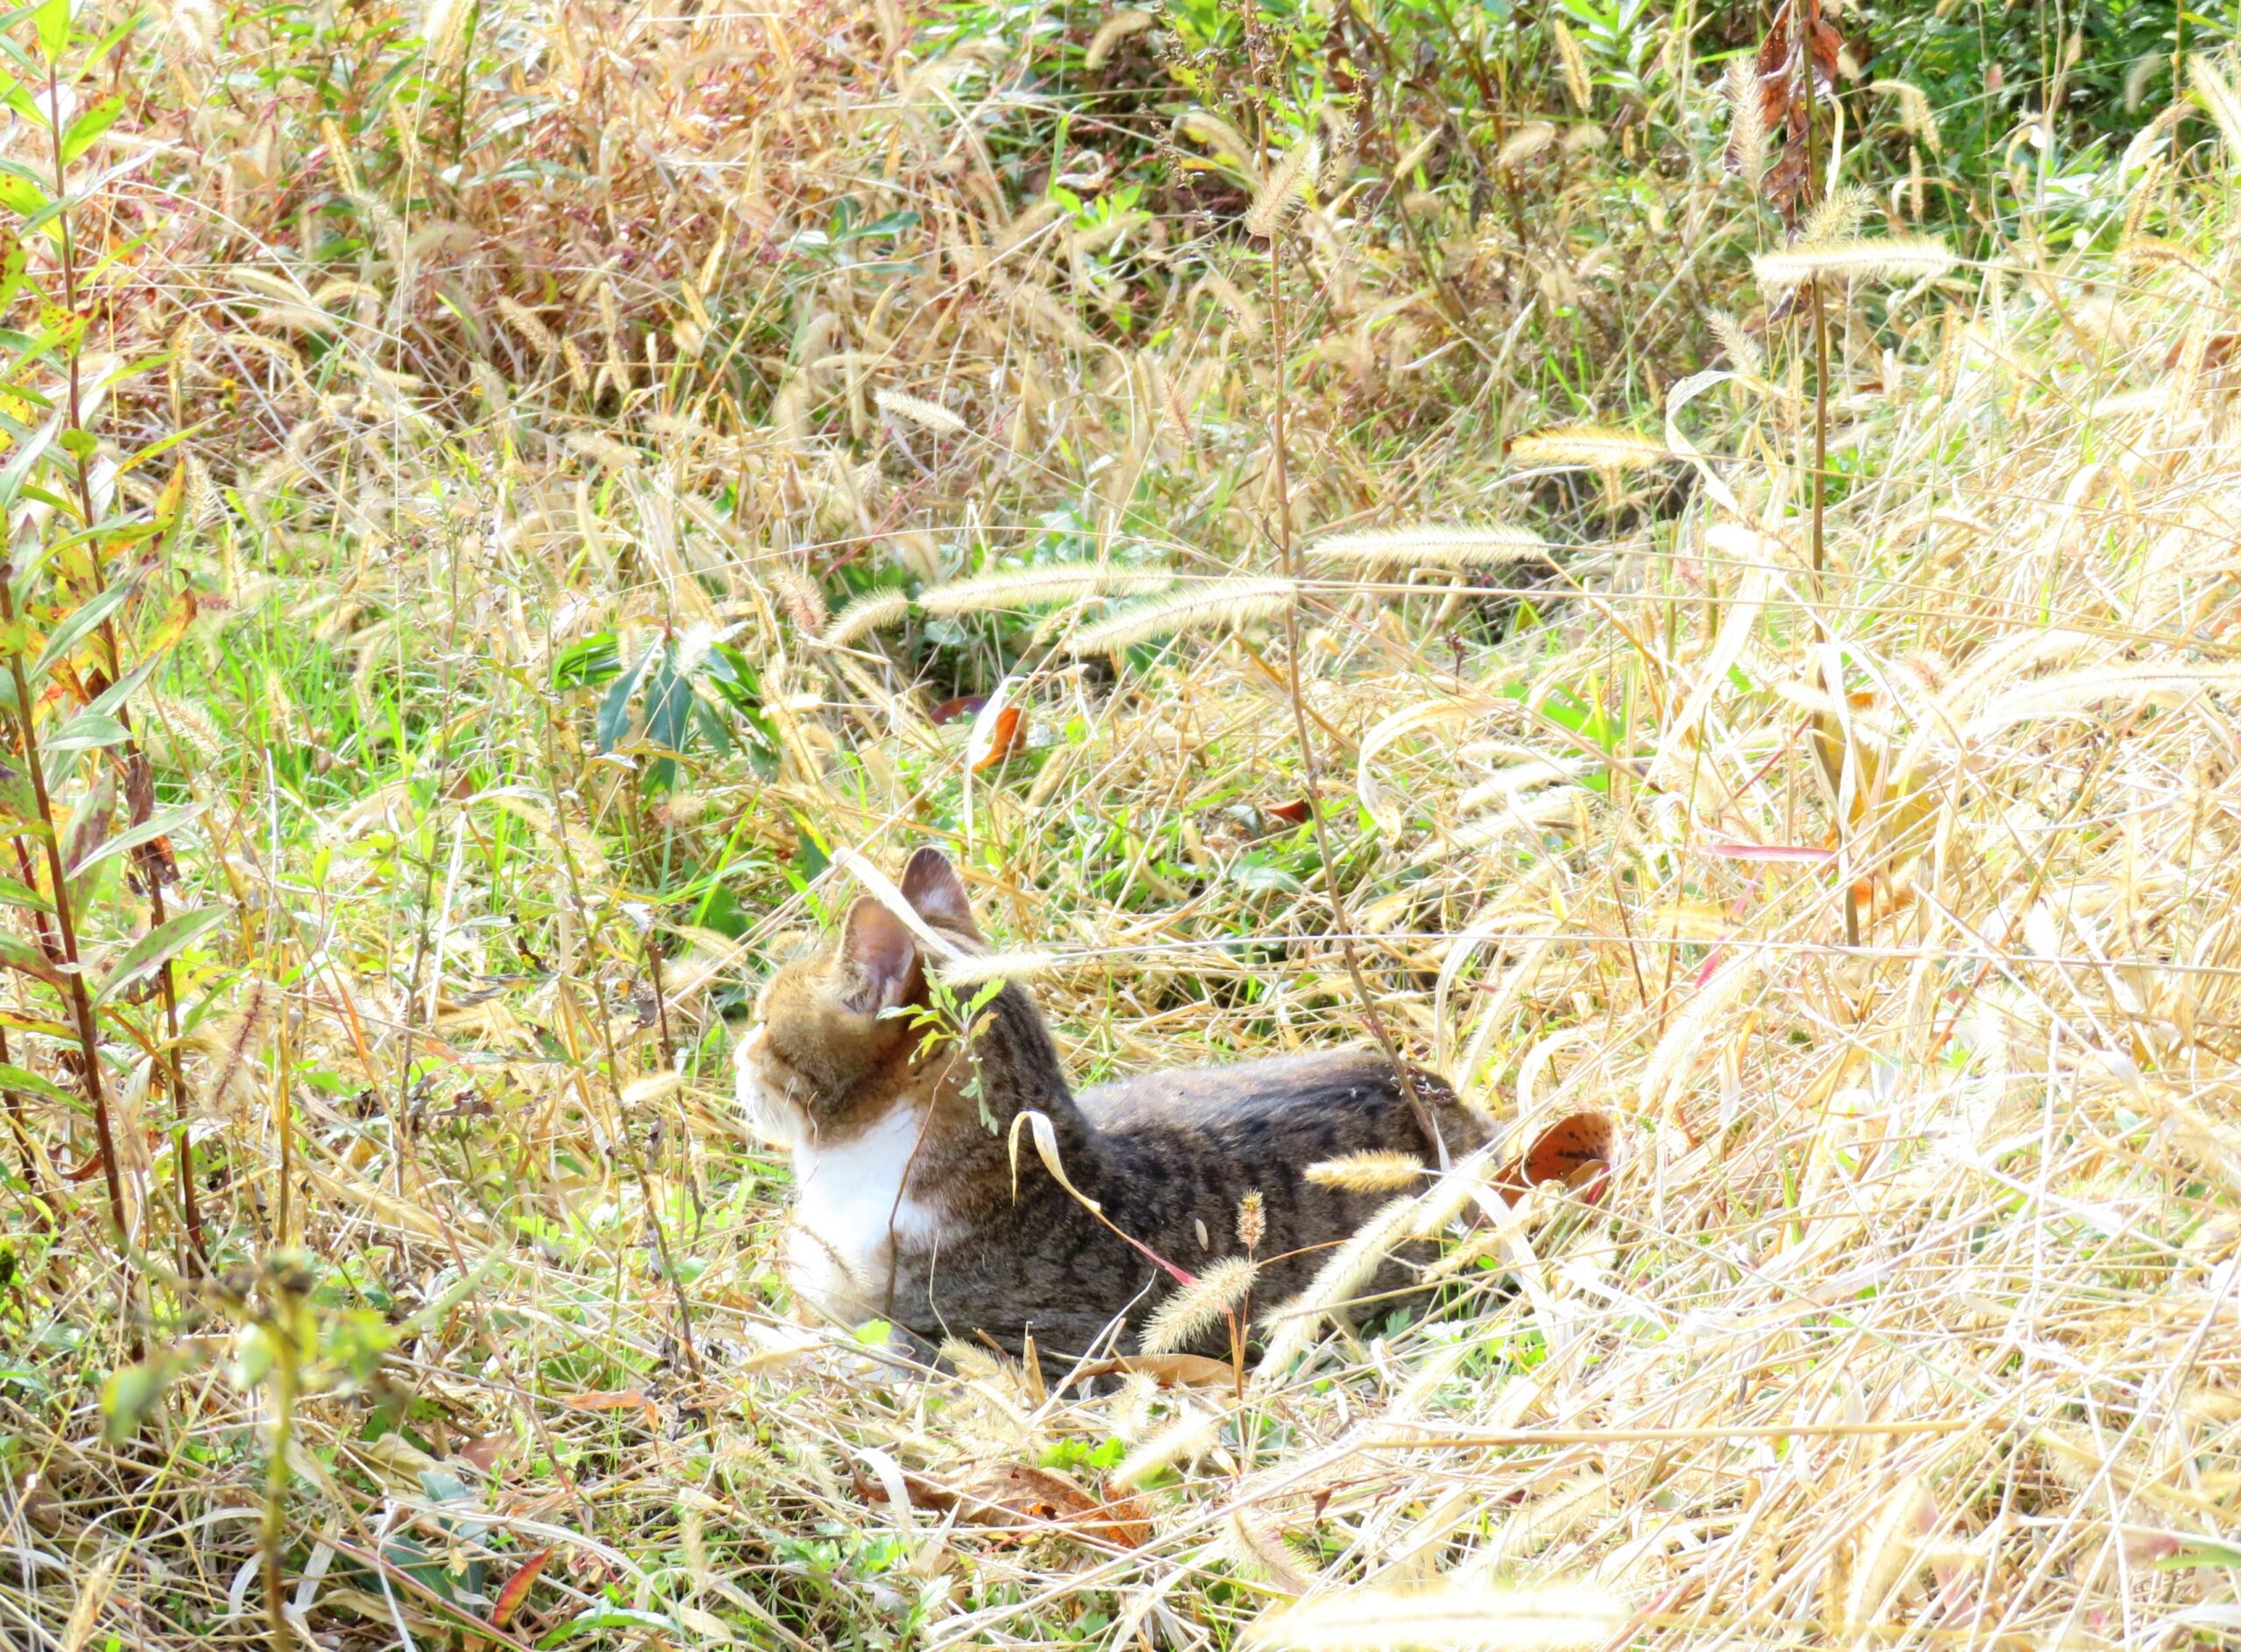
x: 1588, y: 446
x: 1190, y: 1311
x: 1111, y: 32
x: 1529, y: 139
x: 1435, y: 546
x: 1280, y: 195
x: 1222, y: 604
x: 1041, y: 587
x: 1368, y: 1172
x: 916, y: 410
x: 1913, y: 111
x: 1743, y: 352
x: 1746, y: 127
x: 1251, y: 1220
x: 2217, y: 95
x: 1836, y: 217
x: 1442, y: 1618
x: 2140, y: 76
x: 1887, y: 258
x: 874, y: 611
x: 1575, y: 64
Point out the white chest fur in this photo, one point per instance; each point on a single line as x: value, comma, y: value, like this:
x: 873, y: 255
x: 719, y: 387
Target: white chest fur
x: 850, y: 1212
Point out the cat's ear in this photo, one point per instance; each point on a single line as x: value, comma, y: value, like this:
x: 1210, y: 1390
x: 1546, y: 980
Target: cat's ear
x: 878, y: 958
x: 937, y: 894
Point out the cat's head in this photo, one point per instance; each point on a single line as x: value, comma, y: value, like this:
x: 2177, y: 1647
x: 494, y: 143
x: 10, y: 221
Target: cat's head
x: 827, y: 1056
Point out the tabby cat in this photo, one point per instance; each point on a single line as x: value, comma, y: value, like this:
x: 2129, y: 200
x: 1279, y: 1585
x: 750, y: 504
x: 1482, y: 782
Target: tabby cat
x: 906, y: 1210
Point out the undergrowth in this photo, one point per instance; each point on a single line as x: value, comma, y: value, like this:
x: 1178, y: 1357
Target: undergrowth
x: 1445, y: 525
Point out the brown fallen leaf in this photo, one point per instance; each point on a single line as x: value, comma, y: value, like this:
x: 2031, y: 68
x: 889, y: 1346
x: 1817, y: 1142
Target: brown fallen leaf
x: 1017, y: 1497
x: 1169, y: 1370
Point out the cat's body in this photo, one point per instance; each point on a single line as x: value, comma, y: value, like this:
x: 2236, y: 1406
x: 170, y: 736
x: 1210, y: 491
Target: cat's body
x: 907, y: 1209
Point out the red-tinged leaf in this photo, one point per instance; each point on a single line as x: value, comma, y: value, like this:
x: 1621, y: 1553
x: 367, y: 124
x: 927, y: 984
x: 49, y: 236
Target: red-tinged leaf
x: 615, y: 1399
x: 1006, y: 735
x: 1290, y: 813
x: 1726, y: 850
x: 517, y: 1586
x: 87, y: 1172
x: 963, y: 706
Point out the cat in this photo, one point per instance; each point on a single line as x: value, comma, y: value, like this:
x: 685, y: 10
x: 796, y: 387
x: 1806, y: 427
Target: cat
x: 906, y: 1207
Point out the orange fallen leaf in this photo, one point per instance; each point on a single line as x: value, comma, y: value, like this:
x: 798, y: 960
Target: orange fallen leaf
x: 517, y: 1586
x: 1006, y: 734
x: 1573, y: 1150
x: 1290, y: 814
x: 615, y: 1399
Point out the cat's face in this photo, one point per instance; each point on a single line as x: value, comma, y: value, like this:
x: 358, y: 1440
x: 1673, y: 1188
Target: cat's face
x: 828, y: 1059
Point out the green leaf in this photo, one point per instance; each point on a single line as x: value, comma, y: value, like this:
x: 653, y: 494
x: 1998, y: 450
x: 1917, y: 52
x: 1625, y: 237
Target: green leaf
x: 52, y: 21
x: 15, y: 894
x: 25, y: 1081
x: 126, y: 686
x: 608, y: 1617
x: 21, y: 955
x: 88, y: 731
x: 92, y: 122
x: 29, y: 452
x: 613, y: 720
x: 131, y: 1392
x: 155, y: 827
x: 157, y: 947
x: 2203, y: 1553
x: 82, y: 623
x: 19, y: 194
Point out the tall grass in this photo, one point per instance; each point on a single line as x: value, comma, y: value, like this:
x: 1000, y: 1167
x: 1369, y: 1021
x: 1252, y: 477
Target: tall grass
x: 613, y: 453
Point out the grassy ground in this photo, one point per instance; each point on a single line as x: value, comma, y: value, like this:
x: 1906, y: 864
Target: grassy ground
x: 611, y: 444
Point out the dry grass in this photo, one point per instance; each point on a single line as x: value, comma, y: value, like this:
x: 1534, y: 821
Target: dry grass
x: 1910, y: 1316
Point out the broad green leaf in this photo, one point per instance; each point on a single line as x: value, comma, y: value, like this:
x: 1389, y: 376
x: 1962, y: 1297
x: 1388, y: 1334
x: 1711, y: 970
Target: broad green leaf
x: 157, y: 947
x: 53, y: 22
x: 613, y: 722
x: 23, y: 956
x: 88, y: 731
x: 92, y: 122
x: 18, y: 194
x: 14, y: 257
x: 155, y: 827
x: 25, y: 1082
x: 81, y: 624
x: 15, y: 894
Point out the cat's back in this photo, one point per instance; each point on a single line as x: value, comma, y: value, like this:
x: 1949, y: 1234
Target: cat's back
x: 1294, y: 1109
